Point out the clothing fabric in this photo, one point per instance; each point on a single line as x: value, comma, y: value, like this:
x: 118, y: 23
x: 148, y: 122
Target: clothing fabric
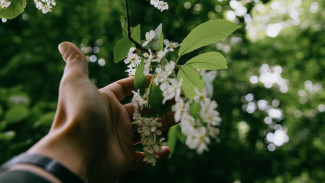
x: 21, y: 176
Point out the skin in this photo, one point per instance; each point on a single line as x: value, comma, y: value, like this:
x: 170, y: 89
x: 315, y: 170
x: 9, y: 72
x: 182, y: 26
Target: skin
x: 92, y: 133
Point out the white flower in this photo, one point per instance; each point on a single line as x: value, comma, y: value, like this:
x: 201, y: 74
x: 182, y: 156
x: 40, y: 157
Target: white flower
x: 3, y: 20
x: 137, y: 100
x: 180, y: 109
x: 149, y: 36
x: 201, y: 96
x: 130, y: 71
x: 198, y: 140
x: 154, y: 3
x: 160, y: 56
x: 162, y: 6
x: 44, y: 5
x: 147, y: 62
x: 133, y: 58
x: 172, y: 90
x: 170, y: 46
x: 4, y: 4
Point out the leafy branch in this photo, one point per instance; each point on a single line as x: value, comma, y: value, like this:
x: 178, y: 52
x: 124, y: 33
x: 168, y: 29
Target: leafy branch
x: 138, y: 46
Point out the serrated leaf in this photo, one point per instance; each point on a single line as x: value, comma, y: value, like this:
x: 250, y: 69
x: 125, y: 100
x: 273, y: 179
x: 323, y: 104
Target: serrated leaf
x: 157, y: 43
x: 172, y: 139
x: 16, y: 7
x: 155, y: 98
x: 121, y: 49
x: 16, y: 114
x: 208, y: 61
x: 136, y: 33
x: 191, y: 79
x: 206, y: 34
x: 140, y: 79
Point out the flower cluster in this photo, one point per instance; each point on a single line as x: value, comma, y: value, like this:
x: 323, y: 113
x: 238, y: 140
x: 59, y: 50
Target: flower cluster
x: 160, y: 5
x: 148, y: 128
x: 198, y: 128
x: 45, y: 5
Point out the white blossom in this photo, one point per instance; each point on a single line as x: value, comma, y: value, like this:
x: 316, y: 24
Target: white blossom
x: 137, y: 101
x: 44, y: 5
x: 162, y: 5
x: 154, y: 3
x: 149, y: 37
x: 171, y: 90
x: 170, y: 46
x: 5, y: 4
x: 133, y: 60
x: 3, y: 20
x: 198, y: 140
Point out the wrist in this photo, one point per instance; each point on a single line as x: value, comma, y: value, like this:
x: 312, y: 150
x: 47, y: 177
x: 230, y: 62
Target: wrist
x: 58, y: 148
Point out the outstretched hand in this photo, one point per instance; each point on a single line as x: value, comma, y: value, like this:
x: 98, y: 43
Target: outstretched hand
x: 92, y: 133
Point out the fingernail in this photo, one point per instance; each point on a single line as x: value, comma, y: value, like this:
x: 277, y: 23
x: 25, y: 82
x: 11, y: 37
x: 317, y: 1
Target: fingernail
x: 62, y: 48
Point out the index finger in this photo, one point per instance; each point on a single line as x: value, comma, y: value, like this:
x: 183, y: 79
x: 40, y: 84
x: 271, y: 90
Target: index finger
x: 123, y: 87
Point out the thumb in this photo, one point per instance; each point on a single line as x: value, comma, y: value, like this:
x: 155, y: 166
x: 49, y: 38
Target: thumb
x: 76, y: 62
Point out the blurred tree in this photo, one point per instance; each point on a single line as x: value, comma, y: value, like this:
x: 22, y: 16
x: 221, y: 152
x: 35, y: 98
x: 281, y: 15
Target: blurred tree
x: 253, y: 110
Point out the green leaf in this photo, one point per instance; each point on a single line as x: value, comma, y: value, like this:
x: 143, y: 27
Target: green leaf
x: 208, y: 61
x: 205, y: 34
x: 136, y: 33
x: 172, y: 138
x: 1, y: 110
x: 46, y: 119
x: 191, y: 79
x: 124, y: 26
x: 121, y: 49
x: 195, y: 109
x: 155, y: 98
x: 7, y: 136
x: 157, y: 41
x: 16, y: 7
x: 140, y: 79
x: 17, y: 114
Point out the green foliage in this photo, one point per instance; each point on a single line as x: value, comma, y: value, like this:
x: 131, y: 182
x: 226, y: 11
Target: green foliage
x: 206, y: 34
x: 191, y: 80
x: 7, y: 136
x: 208, y: 61
x: 195, y: 110
x: 140, y: 79
x: 136, y: 33
x: 155, y: 98
x: 30, y: 64
x: 16, y: 114
x: 172, y: 138
x: 16, y: 8
x: 157, y: 42
x: 121, y: 49
x: 45, y: 120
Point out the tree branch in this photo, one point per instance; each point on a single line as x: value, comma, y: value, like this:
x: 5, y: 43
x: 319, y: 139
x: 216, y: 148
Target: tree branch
x: 138, y: 46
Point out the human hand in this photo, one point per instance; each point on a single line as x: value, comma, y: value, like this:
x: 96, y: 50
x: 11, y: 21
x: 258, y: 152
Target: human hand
x: 92, y: 133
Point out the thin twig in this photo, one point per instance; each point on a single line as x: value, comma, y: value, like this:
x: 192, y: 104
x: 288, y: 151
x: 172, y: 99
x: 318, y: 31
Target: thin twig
x: 138, y: 46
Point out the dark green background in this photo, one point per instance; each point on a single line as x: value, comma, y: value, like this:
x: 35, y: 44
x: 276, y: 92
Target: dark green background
x: 31, y: 68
